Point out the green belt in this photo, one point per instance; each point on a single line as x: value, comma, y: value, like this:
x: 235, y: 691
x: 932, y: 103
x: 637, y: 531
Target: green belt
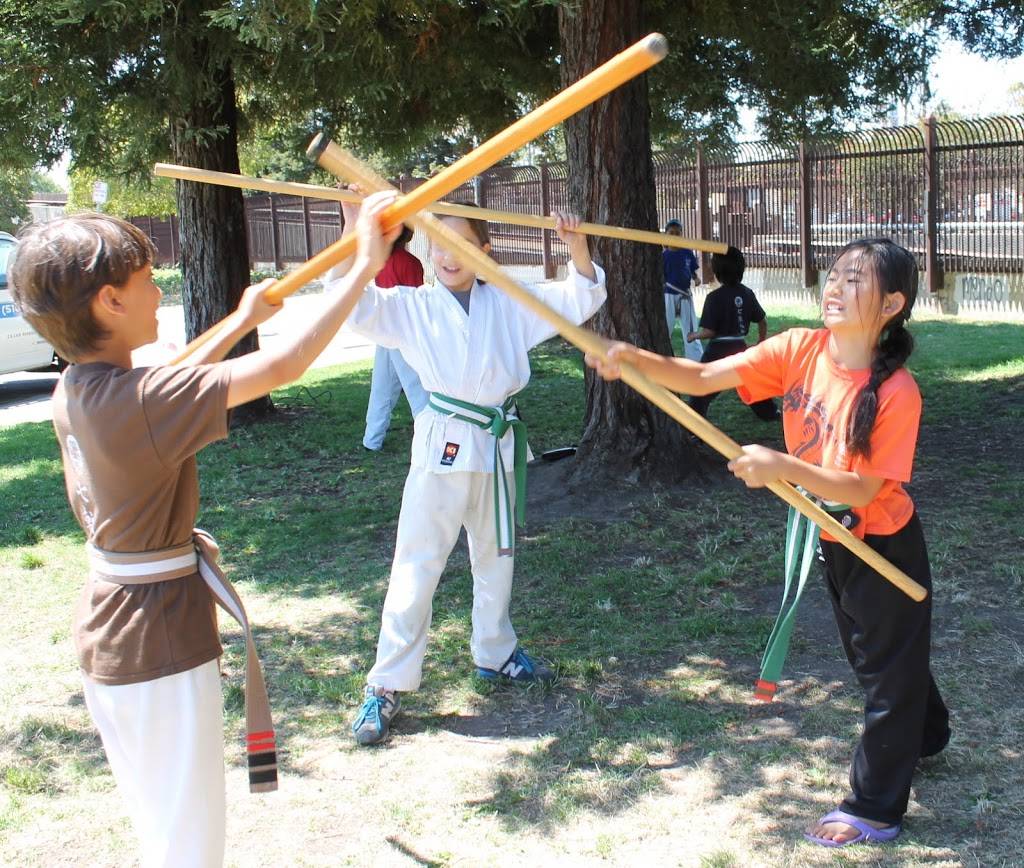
x: 497, y: 420
x: 801, y: 545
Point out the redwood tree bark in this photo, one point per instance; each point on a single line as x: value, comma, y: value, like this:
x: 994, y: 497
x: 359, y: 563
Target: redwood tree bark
x: 611, y: 180
x: 211, y: 218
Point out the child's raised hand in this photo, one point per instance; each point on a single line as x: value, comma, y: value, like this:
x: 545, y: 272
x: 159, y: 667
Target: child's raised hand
x: 350, y: 210
x: 373, y: 244
x: 254, y: 306
x: 566, y: 225
x: 757, y: 466
x: 608, y: 367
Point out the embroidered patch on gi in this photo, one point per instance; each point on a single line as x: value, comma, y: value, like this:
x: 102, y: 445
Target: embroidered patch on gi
x: 450, y: 451
x: 849, y: 520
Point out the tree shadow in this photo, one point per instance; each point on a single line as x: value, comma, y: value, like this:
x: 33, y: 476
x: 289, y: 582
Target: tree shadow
x: 49, y: 753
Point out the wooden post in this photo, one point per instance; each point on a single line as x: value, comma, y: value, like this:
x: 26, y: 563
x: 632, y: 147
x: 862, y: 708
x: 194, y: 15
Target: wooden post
x: 306, y: 230
x: 545, y: 234
x: 480, y: 189
x: 933, y: 269
x: 807, y: 270
x: 703, y: 215
x: 516, y: 218
x: 274, y: 246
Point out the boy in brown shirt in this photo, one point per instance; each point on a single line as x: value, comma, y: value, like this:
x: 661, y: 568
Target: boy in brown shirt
x: 145, y: 627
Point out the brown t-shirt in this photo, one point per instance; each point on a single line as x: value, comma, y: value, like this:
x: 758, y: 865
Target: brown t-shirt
x: 128, y: 439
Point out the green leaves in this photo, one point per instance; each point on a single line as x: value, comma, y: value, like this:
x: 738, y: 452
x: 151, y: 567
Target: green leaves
x: 15, y: 187
x: 152, y: 197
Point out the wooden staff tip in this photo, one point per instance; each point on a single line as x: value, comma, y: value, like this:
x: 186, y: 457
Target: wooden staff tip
x: 657, y: 45
x: 316, y: 147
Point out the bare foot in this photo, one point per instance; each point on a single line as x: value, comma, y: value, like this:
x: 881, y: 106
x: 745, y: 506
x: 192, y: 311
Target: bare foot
x: 841, y: 832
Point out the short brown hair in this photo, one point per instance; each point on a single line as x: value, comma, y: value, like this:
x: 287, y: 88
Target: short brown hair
x: 59, y: 267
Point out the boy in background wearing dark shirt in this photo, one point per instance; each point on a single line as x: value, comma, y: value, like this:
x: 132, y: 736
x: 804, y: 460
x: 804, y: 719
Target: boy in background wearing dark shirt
x: 725, y: 321
x: 679, y: 268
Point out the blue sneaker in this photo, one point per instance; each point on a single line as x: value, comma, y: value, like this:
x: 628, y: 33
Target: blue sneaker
x: 520, y: 667
x: 374, y: 719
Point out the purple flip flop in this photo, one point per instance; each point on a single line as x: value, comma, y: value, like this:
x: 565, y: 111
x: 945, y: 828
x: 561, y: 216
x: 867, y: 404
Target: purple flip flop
x: 868, y: 834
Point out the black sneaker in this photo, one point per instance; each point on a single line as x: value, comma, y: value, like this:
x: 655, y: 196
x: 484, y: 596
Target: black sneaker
x: 520, y: 667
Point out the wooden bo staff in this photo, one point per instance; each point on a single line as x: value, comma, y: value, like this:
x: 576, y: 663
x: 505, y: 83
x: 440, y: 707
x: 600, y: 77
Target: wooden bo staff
x: 626, y: 65
x: 451, y: 209
x: 341, y: 163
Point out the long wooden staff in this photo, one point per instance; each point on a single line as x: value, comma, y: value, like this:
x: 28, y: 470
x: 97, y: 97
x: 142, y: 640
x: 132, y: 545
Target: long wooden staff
x: 341, y: 163
x: 621, y: 68
x: 313, y: 191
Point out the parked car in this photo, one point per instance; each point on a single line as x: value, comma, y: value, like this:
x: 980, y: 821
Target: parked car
x: 21, y: 348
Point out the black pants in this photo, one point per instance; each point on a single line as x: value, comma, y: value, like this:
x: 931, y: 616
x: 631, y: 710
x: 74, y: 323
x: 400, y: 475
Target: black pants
x: 887, y: 639
x: 764, y: 410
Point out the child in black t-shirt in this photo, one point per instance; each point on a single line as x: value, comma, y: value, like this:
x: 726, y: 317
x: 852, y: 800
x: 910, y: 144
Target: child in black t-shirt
x: 725, y: 321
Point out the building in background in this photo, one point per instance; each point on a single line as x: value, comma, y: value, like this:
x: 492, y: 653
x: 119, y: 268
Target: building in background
x: 46, y: 206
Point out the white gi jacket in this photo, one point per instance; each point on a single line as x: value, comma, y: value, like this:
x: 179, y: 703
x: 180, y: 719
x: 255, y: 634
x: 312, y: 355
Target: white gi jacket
x: 479, y: 357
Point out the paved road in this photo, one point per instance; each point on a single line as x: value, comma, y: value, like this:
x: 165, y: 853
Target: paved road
x: 25, y: 397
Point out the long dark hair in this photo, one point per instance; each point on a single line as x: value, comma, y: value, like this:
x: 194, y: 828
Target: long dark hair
x: 403, y: 239
x: 895, y: 270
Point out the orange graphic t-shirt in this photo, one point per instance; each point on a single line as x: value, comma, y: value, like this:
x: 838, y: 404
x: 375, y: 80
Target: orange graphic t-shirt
x: 818, y: 397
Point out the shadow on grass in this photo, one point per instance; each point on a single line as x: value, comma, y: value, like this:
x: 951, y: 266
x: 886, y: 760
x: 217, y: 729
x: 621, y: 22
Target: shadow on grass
x: 50, y: 755
x: 784, y: 765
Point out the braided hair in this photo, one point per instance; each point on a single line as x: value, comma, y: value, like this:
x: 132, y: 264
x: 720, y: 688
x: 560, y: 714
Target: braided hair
x: 895, y: 271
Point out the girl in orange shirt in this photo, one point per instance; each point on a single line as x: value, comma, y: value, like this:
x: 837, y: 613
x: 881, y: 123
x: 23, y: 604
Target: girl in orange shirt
x: 850, y: 416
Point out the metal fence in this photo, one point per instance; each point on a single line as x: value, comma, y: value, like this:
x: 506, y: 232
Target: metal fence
x: 980, y: 199
x: 952, y: 192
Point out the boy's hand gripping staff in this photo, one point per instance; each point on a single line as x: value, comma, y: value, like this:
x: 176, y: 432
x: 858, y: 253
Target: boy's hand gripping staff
x: 343, y: 164
x: 536, y: 221
x: 621, y: 68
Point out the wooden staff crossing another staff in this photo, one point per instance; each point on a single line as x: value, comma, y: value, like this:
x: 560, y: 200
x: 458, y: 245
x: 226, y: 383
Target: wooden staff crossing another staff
x: 313, y: 191
x: 341, y: 163
x: 624, y: 66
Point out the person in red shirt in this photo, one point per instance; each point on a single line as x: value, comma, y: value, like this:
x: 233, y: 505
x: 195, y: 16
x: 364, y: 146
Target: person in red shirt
x: 850, y: 413
x: 391, y: 373
x: 402, y: 268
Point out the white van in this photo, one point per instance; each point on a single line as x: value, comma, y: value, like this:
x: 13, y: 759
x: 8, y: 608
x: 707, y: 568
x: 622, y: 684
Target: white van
x: 21, y: 349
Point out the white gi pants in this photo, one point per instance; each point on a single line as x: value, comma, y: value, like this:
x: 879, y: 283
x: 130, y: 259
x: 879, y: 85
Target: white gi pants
x: 681, y: 308
x: 434, y: 507
x: 391, y: 375
x: 164, y: 740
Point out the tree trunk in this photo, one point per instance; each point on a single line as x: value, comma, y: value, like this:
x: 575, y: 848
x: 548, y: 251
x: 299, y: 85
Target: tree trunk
x: 611, y: 180
x: 211, y: 218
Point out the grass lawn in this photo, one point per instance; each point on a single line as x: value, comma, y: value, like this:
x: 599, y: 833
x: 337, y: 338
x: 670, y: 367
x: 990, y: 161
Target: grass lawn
x: 653, y: 605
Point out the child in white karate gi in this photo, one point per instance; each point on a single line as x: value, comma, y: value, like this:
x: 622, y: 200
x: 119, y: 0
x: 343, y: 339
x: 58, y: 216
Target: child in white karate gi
x: 469, y: 343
